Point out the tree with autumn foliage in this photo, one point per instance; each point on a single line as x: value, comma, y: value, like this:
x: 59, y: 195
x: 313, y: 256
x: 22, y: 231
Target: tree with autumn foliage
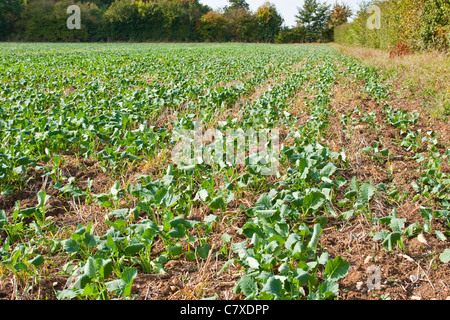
x: 339, y: 14
x: 214, y: 27
x: 269, y: 22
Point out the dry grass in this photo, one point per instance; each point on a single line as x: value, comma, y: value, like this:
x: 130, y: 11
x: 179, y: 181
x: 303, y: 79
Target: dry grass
x: 424, y: 75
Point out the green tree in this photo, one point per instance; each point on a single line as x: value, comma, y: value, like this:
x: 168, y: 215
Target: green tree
x: 90, y: 22
x: 269, y: 22
x: 122, y: 19
x: 151, y: 23
x: 237, y: 4
x: 99, y: 3
x: 419, y: 24
x: 9, y: 14
x: 45, y: 20
x: 243, y: 24
x: 313, y: 16
x: 296, y: 34
x: 214, y: 26
x: 181, y: 18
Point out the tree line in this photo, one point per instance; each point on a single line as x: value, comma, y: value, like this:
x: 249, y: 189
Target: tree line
x: 416, y: 24
x: 167, y: 20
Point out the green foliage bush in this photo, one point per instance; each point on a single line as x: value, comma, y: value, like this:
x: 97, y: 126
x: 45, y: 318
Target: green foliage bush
x: 45, y: 20
x: 141, y: 20
x: 9, y: 14
x: 420, y: 24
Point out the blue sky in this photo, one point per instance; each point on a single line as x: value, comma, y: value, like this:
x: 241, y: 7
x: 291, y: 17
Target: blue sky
x: 287, y: 8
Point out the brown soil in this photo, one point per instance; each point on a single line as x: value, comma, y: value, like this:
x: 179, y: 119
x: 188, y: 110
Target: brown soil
x: 411, y: 273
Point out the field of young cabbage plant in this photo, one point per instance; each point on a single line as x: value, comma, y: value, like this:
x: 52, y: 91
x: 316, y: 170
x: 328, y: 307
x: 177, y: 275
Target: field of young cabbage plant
x: 304, y: 174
